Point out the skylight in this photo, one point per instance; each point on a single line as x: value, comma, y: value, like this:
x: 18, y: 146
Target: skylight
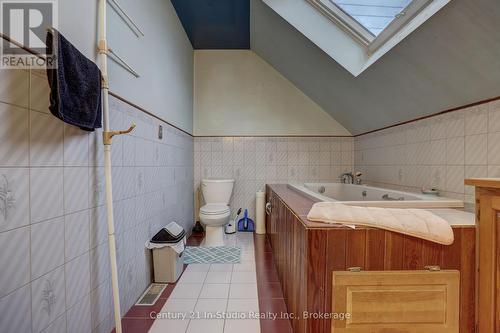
x: 371, y: 22
x: 373, y: 15
x: 356, y: 33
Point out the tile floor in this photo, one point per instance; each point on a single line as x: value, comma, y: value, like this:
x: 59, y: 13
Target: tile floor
x: 208, y: 297
x: 203, y: 292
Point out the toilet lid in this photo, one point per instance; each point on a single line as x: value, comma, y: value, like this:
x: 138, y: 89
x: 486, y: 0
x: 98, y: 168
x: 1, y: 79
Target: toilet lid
x: 213, y: 209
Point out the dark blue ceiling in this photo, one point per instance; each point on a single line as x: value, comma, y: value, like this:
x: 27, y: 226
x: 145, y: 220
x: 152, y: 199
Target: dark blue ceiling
x: 215, y: 24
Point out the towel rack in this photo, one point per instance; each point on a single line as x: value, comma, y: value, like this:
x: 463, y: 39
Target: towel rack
x: 126, y: 18
x: 116, y: 58
x: 103, y: 53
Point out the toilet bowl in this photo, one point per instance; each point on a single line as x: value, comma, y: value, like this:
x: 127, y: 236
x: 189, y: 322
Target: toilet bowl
x: 214, y: 215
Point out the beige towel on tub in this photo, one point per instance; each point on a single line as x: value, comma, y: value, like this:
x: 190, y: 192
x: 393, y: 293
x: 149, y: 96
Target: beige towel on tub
x: 414, y: 222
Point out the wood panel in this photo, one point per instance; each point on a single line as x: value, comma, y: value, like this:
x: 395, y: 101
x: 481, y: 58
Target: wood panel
x: 307, y: 256
x: 497, y: 273
x: 393, y: 256
x: 336, y: 253
x: 375, y: 245
x: 302, y: 275
x: 316, y: 272
x: 396, y: 301
x: 288, y: 242
x: 468, y: 272
x: 355, y: 248
x: 412, y: 253
x: 488, y: 254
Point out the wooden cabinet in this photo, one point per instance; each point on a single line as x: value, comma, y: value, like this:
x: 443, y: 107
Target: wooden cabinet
x: 307, y: 256
x: 410, y: 301
x: 488, y: 251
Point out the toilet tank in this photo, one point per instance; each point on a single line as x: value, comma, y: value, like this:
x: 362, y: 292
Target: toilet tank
x: 217, y: 190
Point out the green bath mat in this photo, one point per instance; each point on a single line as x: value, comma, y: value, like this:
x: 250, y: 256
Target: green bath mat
x: 212, y: 255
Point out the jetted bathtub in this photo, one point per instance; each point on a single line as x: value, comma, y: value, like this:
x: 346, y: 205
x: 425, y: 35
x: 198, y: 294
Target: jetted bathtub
x: 363, y: 195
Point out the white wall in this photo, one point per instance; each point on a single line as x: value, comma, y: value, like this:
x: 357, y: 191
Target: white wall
x: 255, y: 161
x: 163, y: 57
x: 53, y: 236
x: 436, y: 152
x: 238, y: 93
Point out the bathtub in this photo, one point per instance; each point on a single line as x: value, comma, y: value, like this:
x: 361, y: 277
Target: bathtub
x: 364, y: 195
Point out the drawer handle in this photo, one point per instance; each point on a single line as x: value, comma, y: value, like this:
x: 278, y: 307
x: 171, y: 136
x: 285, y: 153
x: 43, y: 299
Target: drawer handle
x: 269, y: 208
x: 354, y: 269
x: 432, y: 268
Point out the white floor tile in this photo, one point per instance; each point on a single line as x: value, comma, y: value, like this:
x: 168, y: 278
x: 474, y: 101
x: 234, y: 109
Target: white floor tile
x: 210, y: 307
x: 218, y: 277
x: 244, y: 267
x: 244, y: 277
x: 192, y: 277
x: 248, y: 290
x: 187, y: 290
x: 242, y: 326
x: 230, y: 240
x: 206, y: 326
x: 221, y: 267
x: 169, y: 326
x: 244, y: 235
x: 247, y: 257
x: 179, y: 306
x: 247, y: 248
x: 198, y: 268
x: 245, y: 244
x: 243, y: 305
x: 215, y: 291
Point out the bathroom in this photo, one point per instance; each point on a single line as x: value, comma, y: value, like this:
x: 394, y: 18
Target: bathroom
x: 290, y: 169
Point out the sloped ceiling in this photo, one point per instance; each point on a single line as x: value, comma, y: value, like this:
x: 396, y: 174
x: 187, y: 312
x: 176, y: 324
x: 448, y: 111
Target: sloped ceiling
x: 215, y: 24
x: 453, y: 59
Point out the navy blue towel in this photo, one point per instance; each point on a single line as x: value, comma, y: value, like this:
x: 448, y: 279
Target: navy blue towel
x: 75, y: 85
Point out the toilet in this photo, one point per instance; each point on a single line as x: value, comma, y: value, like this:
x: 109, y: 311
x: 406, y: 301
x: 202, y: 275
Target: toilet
x: 214, y: 215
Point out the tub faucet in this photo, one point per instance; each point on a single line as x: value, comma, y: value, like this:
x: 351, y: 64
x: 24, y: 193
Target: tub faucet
x: 357, y: 177
x: 350, y: 178
x: 347, y: 178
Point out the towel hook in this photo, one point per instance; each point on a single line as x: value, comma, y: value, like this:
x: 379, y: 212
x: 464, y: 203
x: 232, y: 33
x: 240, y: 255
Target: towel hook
x: 108, y: 135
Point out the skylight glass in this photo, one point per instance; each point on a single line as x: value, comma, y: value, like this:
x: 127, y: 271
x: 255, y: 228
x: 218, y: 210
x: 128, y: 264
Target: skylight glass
x: 373, y: 15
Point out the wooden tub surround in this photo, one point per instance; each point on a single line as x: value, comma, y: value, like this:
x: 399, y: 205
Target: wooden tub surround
x: 317, y: 262
x: 488, y: 252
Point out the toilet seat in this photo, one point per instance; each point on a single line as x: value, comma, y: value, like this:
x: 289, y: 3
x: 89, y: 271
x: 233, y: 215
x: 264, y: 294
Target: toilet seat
x: 214, y: 209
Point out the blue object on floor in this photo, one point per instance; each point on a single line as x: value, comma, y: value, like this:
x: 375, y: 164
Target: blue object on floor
x: 212, y: 255
x: 246, y: 224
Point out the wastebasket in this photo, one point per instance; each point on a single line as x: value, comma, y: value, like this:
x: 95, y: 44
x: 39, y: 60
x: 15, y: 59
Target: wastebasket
x: 168, y: 246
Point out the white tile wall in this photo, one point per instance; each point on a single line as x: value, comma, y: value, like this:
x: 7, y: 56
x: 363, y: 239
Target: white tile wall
x: 53, y: 230
x: 256, y: 161
x: 48, y: 299
x: 15, y: 129
x: 47, y: 246
x: 78, y: 317
x: 14, y: 308
x: 436, y: 152
x: 14, y: 260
